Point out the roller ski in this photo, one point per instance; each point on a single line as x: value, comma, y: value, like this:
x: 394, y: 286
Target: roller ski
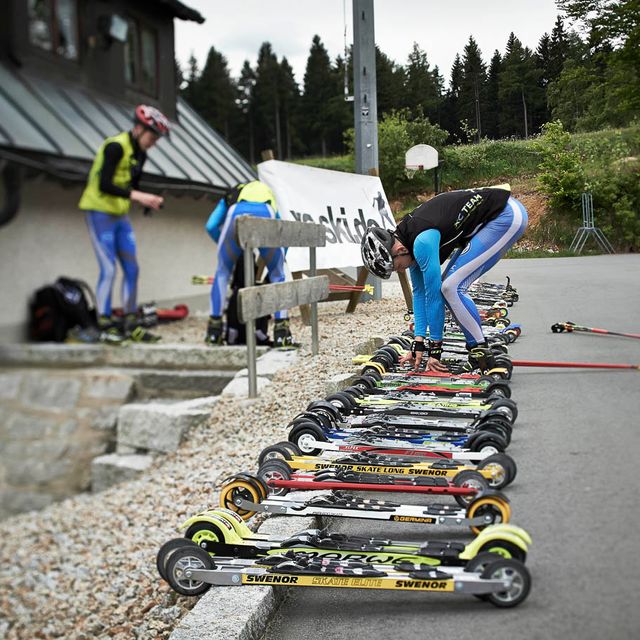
x: 221, y: 532
x: 247, y: 495
x: 498, y: 470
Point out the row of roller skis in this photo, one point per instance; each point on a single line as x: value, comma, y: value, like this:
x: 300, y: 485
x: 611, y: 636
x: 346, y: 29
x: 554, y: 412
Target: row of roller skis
x: 443, y: 436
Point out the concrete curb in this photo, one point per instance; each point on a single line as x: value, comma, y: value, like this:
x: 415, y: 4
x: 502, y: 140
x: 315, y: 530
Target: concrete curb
x: 232, y: 613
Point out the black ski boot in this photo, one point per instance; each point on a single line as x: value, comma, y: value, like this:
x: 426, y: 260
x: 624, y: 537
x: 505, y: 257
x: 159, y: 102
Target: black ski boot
x: 214, y: 334
x: 135, y: 332
x: 282, y: 334
x: 480, y: 357
x: 110, y: 331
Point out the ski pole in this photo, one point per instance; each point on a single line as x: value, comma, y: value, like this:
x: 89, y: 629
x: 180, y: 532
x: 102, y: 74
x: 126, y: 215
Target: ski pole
x: 577, y: 365
x: 569, y: 327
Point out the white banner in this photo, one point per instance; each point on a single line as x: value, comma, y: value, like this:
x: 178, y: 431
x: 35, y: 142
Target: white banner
x: 345, y: 203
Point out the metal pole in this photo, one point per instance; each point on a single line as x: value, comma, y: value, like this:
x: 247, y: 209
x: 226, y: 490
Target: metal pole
x: 365, y: 105
x: 314, y: 305
x: 250, y: 326
x: 365, y: 109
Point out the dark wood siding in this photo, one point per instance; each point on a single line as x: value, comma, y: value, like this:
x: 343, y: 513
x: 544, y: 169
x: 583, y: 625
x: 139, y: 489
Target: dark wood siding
x: 99, y: 67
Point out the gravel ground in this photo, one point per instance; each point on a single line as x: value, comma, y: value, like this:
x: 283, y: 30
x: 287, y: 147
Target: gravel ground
x: 85, y: 568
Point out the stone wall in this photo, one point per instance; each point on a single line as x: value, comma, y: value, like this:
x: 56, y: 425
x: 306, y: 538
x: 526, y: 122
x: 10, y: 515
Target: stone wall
x: 52, y: 424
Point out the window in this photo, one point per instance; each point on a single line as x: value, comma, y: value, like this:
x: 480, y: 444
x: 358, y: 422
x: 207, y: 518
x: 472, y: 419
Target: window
x: 53, y: 26
x: 141, y: 58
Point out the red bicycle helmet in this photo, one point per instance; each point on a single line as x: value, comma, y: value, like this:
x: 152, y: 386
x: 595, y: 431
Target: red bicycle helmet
x: 152, y: 119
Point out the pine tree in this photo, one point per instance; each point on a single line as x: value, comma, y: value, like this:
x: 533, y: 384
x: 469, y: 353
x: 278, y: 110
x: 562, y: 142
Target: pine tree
x: 216, y: 93
x: 340, y: 111
x: 389, y: 84
x: 289, y: 104
x: 491, y: 118
x: 518, y: 91
x: 245, y: 103
x: 319, y: 88
x: 451, y: 119
x: 190, y: 91
x: 266, y: 101
x: 558, y: 50
x: 421, y: 93
x: 472, y: 95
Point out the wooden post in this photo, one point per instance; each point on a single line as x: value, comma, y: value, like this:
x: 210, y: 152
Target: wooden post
x: 250, y: 327
x: 267, y: 154
x: 406, y: 290
x: 355, y: 296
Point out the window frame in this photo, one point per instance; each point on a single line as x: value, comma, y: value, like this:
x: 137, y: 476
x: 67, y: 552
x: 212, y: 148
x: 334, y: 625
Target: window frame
x: 55, y: 35
x: 138, y: 85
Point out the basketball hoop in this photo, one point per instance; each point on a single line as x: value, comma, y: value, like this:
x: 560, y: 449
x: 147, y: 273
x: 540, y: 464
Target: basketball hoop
x: 411, y: 170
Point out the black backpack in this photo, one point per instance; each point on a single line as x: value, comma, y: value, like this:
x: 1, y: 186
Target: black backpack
x: 56, y: 308
x: 236, y: 332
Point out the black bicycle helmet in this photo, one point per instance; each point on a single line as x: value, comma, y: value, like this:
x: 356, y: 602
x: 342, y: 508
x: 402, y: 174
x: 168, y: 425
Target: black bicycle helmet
x: 376, y: 248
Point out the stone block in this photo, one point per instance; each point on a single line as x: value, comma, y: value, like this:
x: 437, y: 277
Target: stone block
x: 190, y: 384
x: 52, y: 392
x: 13, y: 502
x: 339, y: 382
x: 112, y: 469
x: 158, y: 427
x: 108, y: 386
x: 100, y: 418
x: 29, y: 462
x: 368, y: 346
x: 239, y: 386
x: 10, y: 385
x: 16, y: 425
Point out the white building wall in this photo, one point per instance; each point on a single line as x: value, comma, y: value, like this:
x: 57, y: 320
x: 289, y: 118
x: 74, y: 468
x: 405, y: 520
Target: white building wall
x: 49, y: 238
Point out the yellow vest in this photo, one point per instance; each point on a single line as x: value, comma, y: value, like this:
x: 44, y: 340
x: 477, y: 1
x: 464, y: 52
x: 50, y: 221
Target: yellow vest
x: 257, y: 191
x: 94, y: 199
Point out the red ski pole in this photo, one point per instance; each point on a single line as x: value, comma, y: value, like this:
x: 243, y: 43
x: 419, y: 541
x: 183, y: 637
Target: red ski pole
x: 575, y: 365
x: 570, y: 327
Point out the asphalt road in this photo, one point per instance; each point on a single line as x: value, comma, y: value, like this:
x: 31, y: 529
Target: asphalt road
x: 577, y: 446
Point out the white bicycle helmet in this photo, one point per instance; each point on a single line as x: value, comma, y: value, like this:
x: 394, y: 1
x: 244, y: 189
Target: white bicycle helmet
x: 376, y: 248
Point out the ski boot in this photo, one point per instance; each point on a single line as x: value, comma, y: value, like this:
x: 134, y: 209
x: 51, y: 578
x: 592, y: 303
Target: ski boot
x: 214, y: 333
x: 282, y: 334
x: 110, y: 331
x: 135, y: 332
x: 480, y: 357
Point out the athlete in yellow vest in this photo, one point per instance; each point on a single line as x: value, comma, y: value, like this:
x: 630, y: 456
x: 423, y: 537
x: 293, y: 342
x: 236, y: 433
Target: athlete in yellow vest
x: 112, y: 186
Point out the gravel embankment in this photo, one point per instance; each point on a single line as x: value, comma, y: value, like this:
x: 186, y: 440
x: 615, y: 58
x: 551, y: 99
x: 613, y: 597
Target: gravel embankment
x: 85, y: 568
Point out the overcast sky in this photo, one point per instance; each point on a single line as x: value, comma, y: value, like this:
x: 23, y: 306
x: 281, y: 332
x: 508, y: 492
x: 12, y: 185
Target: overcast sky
x: 238, y: 28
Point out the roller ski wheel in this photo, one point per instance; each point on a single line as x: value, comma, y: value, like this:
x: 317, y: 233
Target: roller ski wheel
x: 495, y: 506
x: 520, y: 582
x: 235, y: 489
x: 342, y: 400
x: 504, y: 549
x: 306, y: 438
x: 275, y: 470
x: 374, y: 370
x: 365, y: 382
x: 278, y: 451
x: 178, y: 566
x: 469, y: 479
x: 504, y: 468
x: 204, y: 532
x: 166, y: 551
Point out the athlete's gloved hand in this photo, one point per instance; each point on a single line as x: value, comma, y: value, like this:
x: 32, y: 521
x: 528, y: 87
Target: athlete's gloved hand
x: 433, y: 364
x: 418, y: 349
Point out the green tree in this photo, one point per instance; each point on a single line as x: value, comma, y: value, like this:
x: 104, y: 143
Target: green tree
x: 266, y: 101
x: 451, y: 118
x: 243, y: 136
x: 492, y: 115
x: 290, y: 107
x: 420, y: 88
x: 216, y: 93
x: 390, y: 78
x: 472, y: 95
x: 190, y: 90
x: 518, y: 91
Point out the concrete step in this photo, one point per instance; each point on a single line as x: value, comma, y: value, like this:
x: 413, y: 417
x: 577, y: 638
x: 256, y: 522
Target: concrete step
x: 142, y: 356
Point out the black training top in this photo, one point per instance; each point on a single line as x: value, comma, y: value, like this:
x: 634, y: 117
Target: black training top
x: 113, y: 153
x: 457, y: 215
